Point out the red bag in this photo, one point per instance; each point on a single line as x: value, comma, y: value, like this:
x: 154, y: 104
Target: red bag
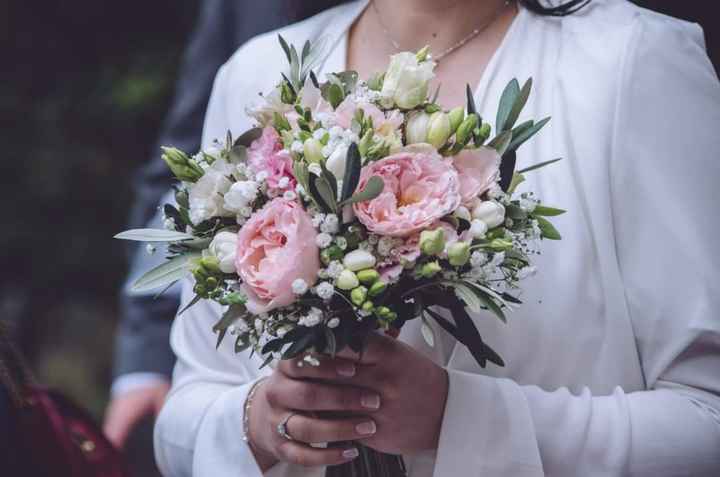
x: 64, y: 439
x: 56, y: 437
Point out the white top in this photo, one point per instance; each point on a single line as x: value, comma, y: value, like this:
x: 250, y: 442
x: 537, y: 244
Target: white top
x: 613, y: 361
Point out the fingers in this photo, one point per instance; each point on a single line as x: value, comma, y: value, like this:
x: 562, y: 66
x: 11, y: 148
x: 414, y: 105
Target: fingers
x: 122, y: 416
x: 306, y: 456
x: 312, y: 431
x: 329, y: 369
x: 377, y: 350
x: 312, y: 396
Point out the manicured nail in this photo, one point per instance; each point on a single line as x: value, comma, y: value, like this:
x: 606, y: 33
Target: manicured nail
x: 350, y: 453
x: 346, y: 370
x: 370, y: 401
x: 366, y: 428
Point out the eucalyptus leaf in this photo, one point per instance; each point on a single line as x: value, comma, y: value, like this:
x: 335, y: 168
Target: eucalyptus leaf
x: 285, y: 47
x: 501, y: 142
x: 196, y: 299
x: 471, y: 109
x: 373, y: 188
x: 507, y: 101
x: 170, y: 271
x: 548, y: 211
x: 527, y: 134
x: 353, y: 166
x: 518, y: 106
x: 547, y: 229
x: 427, y: 332
x: 540, y: 165
x: 507, y: 170
x: 248, y: 137
x: 323, y: 193
x: 154, y: 235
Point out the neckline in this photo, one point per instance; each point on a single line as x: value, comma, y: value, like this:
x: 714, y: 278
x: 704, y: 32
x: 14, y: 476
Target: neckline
x: 339, y: 45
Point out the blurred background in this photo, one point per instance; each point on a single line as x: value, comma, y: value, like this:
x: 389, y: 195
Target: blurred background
x: 84, y: 88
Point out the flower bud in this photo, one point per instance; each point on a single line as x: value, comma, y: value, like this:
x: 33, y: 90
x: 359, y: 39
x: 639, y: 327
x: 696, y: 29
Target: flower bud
x: 478, y: 229
x: 184, y: 168
x: 406, y: 81
x: 458, y: 253
x: 501, y: 245
x: 336, y: 162
x: 377, y: 289
x: 431, y: 269
x: 463, y: 213
x: 416, y: 130
x: 456, y: 117
x: 224, y: 248
x: 331, y: 253
x: 485, y: 131
x: 368, y: 306
x: 313, y: 150
x: 365, y: 142
x: 358, y: 295
x: 438, y: 129
x: 347, y: 280
x: 432, y: 242
x: 422, y: 55
x: 490, y: 212
x: 359, y: 260
x: 383, y: 312
x: 464, y: 131
x: 210, y: 264
x: 368, y: 277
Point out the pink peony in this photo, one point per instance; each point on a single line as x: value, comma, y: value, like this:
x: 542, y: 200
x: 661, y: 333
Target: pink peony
x: 478, y: 170
x: 420, y: 188
x: 266, y: 156
x: 276, y: 247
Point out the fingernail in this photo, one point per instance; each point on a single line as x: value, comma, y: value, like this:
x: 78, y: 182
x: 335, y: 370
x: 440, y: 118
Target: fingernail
x: 346, y: 369
x: 366, y: 428
x: 370, y: 401
x: 350, y: 453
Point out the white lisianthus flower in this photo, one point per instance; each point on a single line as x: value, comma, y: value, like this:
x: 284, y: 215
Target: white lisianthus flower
x: 240, y: 195
x: 478, y: 229
x: 490, y: 212
x: 416, y: 131
x: 270, y: 103
x: 206, y: 195
x: 359, y: 260
x: 224, y: 247
x: 406, y: 81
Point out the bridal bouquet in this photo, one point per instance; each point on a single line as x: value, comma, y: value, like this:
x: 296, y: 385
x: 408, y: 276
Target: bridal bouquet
x: 354, y: 206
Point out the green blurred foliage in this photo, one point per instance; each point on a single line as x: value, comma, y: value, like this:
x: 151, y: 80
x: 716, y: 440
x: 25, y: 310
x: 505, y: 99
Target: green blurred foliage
x: 84, y: 87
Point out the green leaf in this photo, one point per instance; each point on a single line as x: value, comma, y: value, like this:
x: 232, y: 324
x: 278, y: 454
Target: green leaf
x: 427, y: 332
x: 331, y: 181
x: 170, y: 271
x: 507, y: 101
x: 477, y: 298
x: 248, y: 137
x: 515, y: 212
x: 305, y: 50
x: 518, y: 106
x: 501, y: 142
x: 302, y: 174
x: 241, y: 345
x: 285, y: 47
x: 548, y: 230
x: 515, y: 182
x: 190, y: 304
x: 349, y: 80
x: 153, y: 235
x: 330, y: 342
x: 373, y: 188
x: 467, y: 295
x: 300, y: 345
x: 548, y: 211
x: 527, y: 134
x: 353, y: 165
x: 323, y: 194
x: 228, y: 318
x: 540, y: 165
x: 333, y: 94
x: 471, y: 109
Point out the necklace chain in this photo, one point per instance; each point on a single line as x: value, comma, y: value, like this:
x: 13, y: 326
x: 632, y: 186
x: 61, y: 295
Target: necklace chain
x: 453, y: 47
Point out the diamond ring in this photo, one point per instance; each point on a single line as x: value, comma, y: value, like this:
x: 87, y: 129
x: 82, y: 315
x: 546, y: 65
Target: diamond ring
x: 282, y: 427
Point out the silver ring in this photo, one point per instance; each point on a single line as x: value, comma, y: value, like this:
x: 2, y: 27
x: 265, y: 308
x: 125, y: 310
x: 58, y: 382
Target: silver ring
x: 282, y: 427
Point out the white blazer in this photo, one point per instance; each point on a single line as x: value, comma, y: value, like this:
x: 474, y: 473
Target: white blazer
x: 613, y: 360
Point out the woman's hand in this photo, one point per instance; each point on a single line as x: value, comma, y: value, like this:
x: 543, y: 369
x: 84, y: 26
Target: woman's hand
x: 286, y: 392
x: 412, y: 389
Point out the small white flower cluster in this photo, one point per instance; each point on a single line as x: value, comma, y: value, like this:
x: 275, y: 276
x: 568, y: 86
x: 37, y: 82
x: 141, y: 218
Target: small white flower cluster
x: 313, y: 318
x: 363, y: 94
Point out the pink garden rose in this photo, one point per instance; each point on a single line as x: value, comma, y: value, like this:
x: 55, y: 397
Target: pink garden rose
x: 266, y: 155
x: 478, y: 169
x: 420, y: 188
x: 275, y: 247
x: 382, y: 124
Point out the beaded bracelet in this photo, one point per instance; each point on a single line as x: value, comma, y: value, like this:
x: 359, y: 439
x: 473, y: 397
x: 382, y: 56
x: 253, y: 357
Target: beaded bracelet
x: 246, y: 411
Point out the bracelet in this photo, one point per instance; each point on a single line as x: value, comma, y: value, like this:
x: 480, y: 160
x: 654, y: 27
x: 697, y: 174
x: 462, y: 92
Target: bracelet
x: 246, y: 411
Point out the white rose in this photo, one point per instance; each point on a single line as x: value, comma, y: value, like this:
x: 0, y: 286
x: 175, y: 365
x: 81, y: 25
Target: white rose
x: 406, y: 80
x: 490, y: 212
x: 206, y: 195
x: 359, y: 260
x: 224, y: 247
x: 336, y: 161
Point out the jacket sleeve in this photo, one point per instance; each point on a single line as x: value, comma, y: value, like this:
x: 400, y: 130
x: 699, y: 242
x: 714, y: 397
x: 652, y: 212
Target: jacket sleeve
x: 664, y: 176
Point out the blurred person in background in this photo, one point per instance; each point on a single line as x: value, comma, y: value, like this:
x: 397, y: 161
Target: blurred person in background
x: 143, y: 359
